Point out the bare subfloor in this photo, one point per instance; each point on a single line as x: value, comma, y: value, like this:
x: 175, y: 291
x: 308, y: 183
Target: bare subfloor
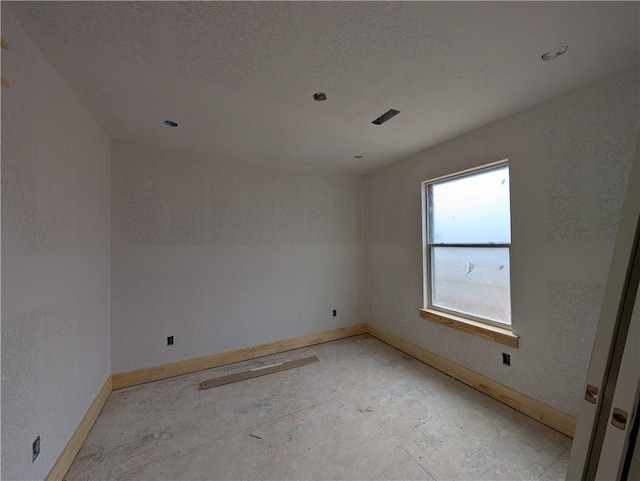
x: 365, y: 411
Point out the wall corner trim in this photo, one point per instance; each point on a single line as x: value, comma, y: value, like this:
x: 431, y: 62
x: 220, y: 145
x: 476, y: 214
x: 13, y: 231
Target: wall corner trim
x: 63, y: 463
x: 163, y: 371
x: 537, y: 410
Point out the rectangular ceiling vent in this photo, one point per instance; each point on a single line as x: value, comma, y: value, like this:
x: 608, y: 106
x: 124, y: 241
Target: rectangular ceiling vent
x: 389, y: 114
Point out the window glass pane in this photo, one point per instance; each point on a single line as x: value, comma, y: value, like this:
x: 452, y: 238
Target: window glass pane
x: 472, y: 280
x: 473, y: 209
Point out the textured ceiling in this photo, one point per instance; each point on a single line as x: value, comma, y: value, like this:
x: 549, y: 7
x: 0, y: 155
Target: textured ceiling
x: 239, y: 76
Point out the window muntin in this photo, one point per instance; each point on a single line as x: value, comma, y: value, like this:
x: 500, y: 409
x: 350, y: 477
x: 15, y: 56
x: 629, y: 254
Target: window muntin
x: 468, y: 244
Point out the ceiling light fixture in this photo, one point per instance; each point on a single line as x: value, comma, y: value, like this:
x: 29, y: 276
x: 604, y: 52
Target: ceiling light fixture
x: 319, y: 97
x: 556, y: 53
x: 170, y: 123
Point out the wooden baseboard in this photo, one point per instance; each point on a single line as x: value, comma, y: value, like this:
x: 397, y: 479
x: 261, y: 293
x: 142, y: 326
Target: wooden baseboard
x: 63, y: 463
x: 142, y: 376
x: 552, y: 417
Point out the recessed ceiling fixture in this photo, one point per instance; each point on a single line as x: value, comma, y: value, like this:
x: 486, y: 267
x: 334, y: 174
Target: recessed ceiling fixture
x: 553, y: 54
x: 170, y: 123
x: 358, y: 156
x: 319, y: 97
x: 389, y: 114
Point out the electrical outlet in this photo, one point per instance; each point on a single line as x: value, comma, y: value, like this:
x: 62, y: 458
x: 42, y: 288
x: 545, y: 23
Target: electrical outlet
x: 506, y: 359
x: 170, y: 341
x: 35, y: 449
x: 335, y: 312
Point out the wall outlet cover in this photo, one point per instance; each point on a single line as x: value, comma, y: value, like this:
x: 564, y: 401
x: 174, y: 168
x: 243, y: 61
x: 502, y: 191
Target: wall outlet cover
x: 170, y: 341
x: 506, y: 359
x: 335, y: 312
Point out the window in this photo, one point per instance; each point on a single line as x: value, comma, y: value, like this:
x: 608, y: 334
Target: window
x: 468, y: 238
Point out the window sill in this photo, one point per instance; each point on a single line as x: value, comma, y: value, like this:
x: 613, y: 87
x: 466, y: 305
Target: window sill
x: 493, y: 333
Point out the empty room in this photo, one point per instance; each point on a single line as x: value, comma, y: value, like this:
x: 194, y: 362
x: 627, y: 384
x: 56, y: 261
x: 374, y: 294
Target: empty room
x: 320, y: 240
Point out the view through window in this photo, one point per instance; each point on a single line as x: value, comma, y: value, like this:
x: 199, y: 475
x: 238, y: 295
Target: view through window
x: 468, y: 243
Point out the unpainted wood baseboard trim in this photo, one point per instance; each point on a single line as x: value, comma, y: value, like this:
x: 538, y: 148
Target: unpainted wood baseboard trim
x: 553, y: 418
x: 145, y: 375
x: 537, y: 410
x: 63, y: 463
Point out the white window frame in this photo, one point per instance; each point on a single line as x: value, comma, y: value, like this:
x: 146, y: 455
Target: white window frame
x: 427, y: 245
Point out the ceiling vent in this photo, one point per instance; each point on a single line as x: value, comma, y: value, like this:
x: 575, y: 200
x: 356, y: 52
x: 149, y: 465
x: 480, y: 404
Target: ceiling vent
x: 555, y: 53
x: 389, y: 114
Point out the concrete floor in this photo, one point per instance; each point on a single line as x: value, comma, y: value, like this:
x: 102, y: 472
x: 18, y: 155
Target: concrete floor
x: 365, y: 411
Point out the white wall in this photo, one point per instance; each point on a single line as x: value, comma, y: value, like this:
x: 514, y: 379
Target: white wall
x: 223, y: 255
x: 570, y: 159
x: 55, y: 258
